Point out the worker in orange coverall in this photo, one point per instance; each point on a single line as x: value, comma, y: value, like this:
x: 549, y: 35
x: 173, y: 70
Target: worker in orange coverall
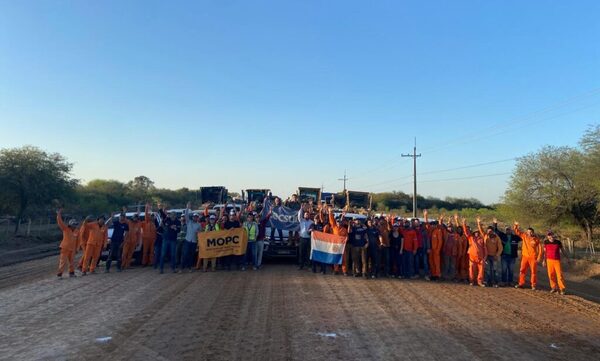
x: 81, y: 244
x: 98, y: 236
x: 531, y: 255
x: 68, y: 245
x: 477, y: 255
x: 437, y: 235
x: 339, y: 229
x: 148, y: 236
x: 133, y: 239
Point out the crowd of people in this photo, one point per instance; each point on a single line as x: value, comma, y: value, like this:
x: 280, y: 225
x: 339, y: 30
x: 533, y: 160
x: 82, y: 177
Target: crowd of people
x: 377, y: 246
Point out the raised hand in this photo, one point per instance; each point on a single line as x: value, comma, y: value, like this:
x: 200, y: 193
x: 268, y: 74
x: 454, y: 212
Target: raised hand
x: 478, y: 219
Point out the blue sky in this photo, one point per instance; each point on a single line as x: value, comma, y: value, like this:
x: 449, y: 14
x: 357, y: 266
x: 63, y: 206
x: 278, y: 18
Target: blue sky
x: 283, y: 94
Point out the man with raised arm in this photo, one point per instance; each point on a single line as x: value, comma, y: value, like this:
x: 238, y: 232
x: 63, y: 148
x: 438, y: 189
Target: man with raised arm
x: 531, y: 255
x: 477, y: 255
x: 68, y: 245
x: 437, y: 235
x: 493, y: 245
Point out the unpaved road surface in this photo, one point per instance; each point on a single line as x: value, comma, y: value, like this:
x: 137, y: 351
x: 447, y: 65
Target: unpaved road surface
x: 281, y: 313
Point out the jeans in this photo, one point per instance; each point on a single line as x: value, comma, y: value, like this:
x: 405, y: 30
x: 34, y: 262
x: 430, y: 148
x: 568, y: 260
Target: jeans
x: 396, y: 261
x: 279, y: 232
x: 187, y: 254
x: 260, y: 246
x: 385, y: 259
x: 250, y: 257
x: 421, y: 261
x: 490, y: 270
x: 303, y: 249
x: 408, y: 259
x: 157, y: 252
x: 168, y: 247
x: 508, y: 266
x: 373, y: 258
x: 116, y: 249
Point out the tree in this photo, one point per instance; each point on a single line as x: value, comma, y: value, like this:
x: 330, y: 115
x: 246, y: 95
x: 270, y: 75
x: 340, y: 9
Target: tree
x: 553, y: 186
x: 102, y: 196
x: 140, y: 188
x: 30, y: 177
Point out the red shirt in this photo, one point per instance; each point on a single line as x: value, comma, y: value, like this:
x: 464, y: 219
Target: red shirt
x: 411, y: 241
x: 553, y: 249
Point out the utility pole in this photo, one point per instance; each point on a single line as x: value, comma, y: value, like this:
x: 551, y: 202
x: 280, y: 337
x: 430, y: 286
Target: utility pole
x: 344, y: 179
x: 414, y: 157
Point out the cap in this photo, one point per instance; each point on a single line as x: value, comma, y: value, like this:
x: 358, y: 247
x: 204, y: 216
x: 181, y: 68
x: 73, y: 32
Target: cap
x: 195, y: 215
x: 212, y: 216
x: 232, y: 212
x: 73, y: 223
x: 396, y: 225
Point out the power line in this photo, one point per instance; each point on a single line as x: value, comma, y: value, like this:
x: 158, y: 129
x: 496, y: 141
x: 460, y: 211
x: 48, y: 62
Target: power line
x: 470, y: 166
x: 444, y: 170
x: 499, y: 128
x: 464, y: 178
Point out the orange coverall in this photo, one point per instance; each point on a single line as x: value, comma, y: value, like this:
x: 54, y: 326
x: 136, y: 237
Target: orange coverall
x: 477, y: 256
x: 438, y: 235
x: 462, y: 260
x: 148, y: 239
x: 98, y: 236
x: 340, y: 231
x: 83, y: 237
x: 68, y: 245
x: 133, y: 239
x: 531, y: 254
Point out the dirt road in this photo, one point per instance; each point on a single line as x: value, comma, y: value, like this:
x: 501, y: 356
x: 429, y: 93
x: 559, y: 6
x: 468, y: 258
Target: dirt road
x: 280, y: 313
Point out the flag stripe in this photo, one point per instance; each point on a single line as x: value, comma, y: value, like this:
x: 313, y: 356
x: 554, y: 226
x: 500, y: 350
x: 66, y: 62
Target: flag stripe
x: 324, y: 257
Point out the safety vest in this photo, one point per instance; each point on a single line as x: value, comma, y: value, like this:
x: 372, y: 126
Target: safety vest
x: 252, y: 229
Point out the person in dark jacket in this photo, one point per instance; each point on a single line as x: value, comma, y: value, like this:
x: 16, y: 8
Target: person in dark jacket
x: 510, y: 253
x: 375, y: 241
x: 171, y: 226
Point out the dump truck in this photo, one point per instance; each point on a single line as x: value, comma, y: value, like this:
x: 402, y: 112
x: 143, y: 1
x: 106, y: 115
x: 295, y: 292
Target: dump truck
x: 213, y: 194
x: 306, y: 194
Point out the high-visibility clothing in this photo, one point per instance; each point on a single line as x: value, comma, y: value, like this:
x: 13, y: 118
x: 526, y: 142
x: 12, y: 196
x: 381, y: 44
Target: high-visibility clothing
x: 462, y: 260
x: 148, y: 239
x: 68, y: 245
x: 531, y: 245
x: 437, y: 235
x: 476, y: 267
x: 341, y: 231
x: 555, y: 274
x: 252, y: 229
x: 66, y: 256
x: 530, y: 263
x: 132, y: 240
x: 98, y: 235
x: 70, y: 236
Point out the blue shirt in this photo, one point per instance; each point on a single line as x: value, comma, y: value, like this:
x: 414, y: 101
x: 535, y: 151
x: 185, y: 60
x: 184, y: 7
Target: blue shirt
x: 358, y: 236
